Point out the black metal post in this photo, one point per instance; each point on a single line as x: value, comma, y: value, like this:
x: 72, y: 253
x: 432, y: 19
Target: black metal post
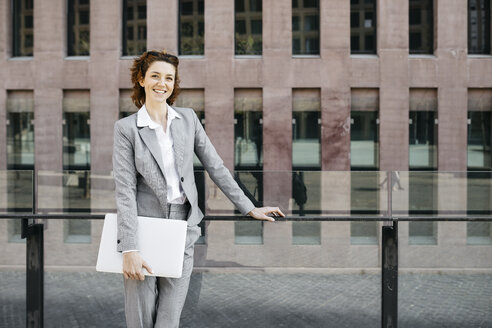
x: 35, y: 276
x: 389, y: 273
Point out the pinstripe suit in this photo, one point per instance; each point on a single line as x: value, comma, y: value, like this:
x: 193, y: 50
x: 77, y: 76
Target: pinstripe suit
x: 141, y: 190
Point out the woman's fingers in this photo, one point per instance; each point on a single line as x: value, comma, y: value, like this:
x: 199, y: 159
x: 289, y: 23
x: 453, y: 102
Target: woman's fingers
x: 147, y: 267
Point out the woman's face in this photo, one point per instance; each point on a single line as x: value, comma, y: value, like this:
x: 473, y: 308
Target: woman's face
x: 158, y: 82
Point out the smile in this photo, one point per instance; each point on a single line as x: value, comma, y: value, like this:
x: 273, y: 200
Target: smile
x: 160, y: 91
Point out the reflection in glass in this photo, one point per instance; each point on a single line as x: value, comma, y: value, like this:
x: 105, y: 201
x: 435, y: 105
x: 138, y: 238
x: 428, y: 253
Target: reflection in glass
x: 479, y: 193
x: 191, y: 27
x: 305, y: 27
x: 306, y: 141
x: 479, y: 21
x: 134, y: 27
x: 422, y: 145
x: 479, y: 138
x: 23, y: 31
x: 78, y: 28
x: 248, y: 33
x: 363, y: 26
x: 421, y: 19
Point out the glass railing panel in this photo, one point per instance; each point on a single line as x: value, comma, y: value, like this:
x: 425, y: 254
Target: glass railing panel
x: 444, y: 266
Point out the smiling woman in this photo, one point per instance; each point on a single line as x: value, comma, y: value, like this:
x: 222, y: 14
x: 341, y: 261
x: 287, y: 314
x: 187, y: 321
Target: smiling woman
x: 153, y: 172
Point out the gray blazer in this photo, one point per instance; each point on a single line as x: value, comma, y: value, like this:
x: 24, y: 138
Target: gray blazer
x: 140, y: 186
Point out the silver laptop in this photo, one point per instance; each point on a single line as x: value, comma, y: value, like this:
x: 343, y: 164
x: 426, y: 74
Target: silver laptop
x: 161, y: 244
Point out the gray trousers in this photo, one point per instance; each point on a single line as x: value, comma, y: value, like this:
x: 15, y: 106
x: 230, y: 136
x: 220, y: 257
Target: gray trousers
x: 157, y: 301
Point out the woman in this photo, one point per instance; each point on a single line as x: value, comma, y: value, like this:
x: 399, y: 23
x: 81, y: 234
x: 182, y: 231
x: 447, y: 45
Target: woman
x: 153, y: 173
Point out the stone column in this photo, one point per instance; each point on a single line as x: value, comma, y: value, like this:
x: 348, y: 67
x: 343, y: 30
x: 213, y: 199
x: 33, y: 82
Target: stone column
x: 162, y: 25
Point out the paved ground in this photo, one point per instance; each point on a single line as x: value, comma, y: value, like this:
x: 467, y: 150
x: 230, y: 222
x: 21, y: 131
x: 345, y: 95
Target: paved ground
x: 263, y: 300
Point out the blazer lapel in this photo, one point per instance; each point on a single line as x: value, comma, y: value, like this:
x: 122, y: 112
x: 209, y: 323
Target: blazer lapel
x: 149, y: 137
x: 178, y: 142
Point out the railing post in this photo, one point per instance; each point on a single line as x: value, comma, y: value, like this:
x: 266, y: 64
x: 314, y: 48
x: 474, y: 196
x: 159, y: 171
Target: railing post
x: 35, y: 276
x: 389, y: 275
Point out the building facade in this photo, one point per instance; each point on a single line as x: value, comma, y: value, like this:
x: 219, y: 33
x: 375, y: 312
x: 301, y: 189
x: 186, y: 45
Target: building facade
x: 316, y: 93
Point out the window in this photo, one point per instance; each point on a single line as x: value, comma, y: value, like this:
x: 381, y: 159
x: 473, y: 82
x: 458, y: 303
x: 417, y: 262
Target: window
x: 364, y: 157
x: 248, y: 32
x: 422, y: 157
x: 23, y: 31
x: 421, y: 19
x: 363, y: 26
x: 20, y: 157
x: 76, y: 164
x: 306, y: 164
x: 423, y: 129
x: 20, y: 130
x: 78, y: 28
x: 479, y: 137
x: 134, y: 27
x: 191, y: 27
x: 248, y: 157
x: 364, y: 145
x: 479, y: 187
x: 305, y: 27
x: 479, y: 21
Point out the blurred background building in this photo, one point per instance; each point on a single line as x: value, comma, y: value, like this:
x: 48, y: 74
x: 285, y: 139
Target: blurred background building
x: 305, y: 100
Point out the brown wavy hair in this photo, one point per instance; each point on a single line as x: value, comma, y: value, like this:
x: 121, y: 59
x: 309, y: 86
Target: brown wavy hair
x: 139, y: 68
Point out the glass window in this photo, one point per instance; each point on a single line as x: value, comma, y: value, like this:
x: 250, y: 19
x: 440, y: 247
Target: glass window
x: 479, y: 193
x: 423, y: 129
x: 306, y: 129
x: 363, y: 27
x: 479, y: 21
x: 421, y: 29
x: 191, y: 27
x: 23, y: 31
x: 305, y: 27
x: 78, y: 28
x: 479, y: 140
x: 20, y: 130
x: 134, y: 27
x: 479, y: 133
x: 364, y: 133
x: 76, y: 163
x: 248, y: 33
x: 248, y: 157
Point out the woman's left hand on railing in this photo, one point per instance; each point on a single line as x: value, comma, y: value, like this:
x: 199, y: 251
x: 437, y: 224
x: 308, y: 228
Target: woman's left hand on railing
x: 261, y: 213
